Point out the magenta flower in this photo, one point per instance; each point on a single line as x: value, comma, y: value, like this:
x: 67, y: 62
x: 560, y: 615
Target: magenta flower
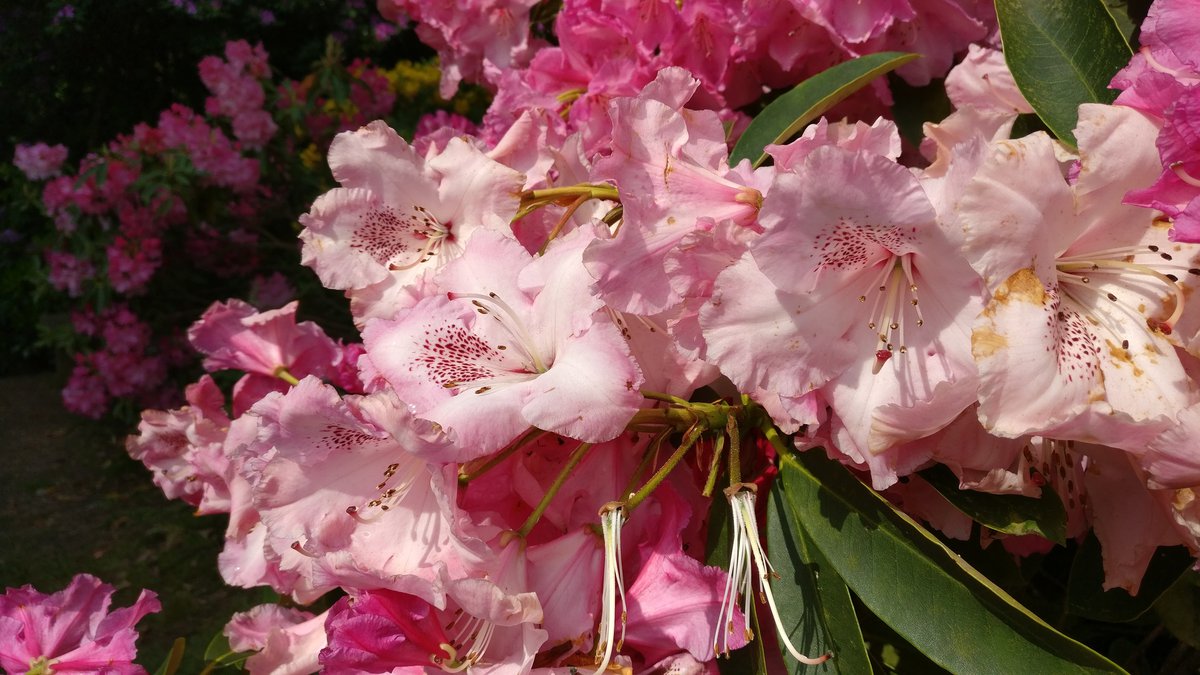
x: 70, y: 631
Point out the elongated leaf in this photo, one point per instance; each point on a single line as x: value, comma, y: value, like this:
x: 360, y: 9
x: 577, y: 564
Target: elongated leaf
x: 814, y: 600
x: 787, y: 115
x: 920, y: 588
x: 1179, y: 609
x: 1086, y: 596
x: 1062, y: 53
x: 1011, y: 514
x: 171, y: 664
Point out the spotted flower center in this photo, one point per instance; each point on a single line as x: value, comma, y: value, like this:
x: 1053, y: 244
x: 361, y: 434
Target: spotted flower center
x: 479, y: 358
x: 401, y: 239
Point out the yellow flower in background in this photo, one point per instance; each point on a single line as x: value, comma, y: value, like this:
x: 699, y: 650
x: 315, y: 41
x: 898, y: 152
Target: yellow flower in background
x: 311, y: 156
x: 414, y: 80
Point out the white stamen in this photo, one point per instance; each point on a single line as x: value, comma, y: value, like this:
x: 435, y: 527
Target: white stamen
x: 491, y: 304
x: 747, y: 549
x: 612, y: 516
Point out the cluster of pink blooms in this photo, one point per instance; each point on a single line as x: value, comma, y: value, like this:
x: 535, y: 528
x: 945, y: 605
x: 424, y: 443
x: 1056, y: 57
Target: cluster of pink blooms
x: 736, y: 49
x: 114, y: 220
x: 506, y: 475
x: 40, y: 161
x: 127, y: 363
x: 145, y: 204
x: 237, y: 91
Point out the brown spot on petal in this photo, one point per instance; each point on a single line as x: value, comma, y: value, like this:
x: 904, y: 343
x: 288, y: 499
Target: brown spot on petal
x: 1120, y: 355
x: 1024, y: 285
x: 985, y: 342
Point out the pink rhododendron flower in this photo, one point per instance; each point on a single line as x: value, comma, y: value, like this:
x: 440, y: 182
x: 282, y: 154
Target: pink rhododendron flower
x: 72, y: 631
x: 870, y: 304
x: 39, y: 161
x: 69, y: 273
x: 270, y: 346
x: 398, y: 214
x: 515, y: 342
x: 671, y: 169
x: 1077, y: 340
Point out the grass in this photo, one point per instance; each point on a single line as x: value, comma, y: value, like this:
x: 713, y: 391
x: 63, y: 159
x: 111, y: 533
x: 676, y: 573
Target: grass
x: 72, y: 501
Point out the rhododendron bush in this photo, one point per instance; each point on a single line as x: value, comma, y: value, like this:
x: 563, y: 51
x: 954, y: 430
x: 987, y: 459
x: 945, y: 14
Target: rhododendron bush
x: 688, y: 358
x: 192, y: 208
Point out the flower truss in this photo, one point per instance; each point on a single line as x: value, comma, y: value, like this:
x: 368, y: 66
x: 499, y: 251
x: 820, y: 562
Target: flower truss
x: 578, y: 319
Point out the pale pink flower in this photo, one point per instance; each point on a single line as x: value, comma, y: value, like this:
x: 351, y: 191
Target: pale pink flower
x: 397, y: 214
x: 71, y: 632
x: 671, y: 168
x: 515, y: 342
x: 184, y: 448
x: 332, y: 480
x: 1085, y: 294
x: 251, y: 630
x: 269, y: 346
x: 864, y: 297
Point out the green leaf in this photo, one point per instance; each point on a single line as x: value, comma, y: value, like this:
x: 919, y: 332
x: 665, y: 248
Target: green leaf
x: 1119, y: 9
x: 814, y: 600
x: 170, y: 665
x: 1087, y: 598
x: 219, y: 654
x: 1011, y: 514
x: 914, y: 106
x: 787, y: 115
x: 1179, y: 609
x: 1062, y: 53
x: 910, y: 580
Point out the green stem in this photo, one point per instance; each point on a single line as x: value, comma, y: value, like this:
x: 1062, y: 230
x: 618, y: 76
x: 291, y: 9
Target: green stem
x: 562, y: 222
x: 590, y: 191
x: 735, y: 450
x: 689, y: 440
x: 665, y: 398
x: 469, y: 473
x: 715, y: 469
x: 647, y: 457
x: 772, y: 435
x: 534, y: 517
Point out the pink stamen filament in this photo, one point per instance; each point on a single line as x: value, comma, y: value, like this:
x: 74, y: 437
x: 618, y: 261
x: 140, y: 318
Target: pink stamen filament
x: 888, y: 321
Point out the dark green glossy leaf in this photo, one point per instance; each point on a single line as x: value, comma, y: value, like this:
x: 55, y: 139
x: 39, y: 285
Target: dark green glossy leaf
x: 1011, y: 514
x: 1179, y: 609
x: 787, y: 115
x: 814, y: 600
x: 1119, y: 9
x: 1087, y: 598
x: 170, y: 665
x: 930, y: 596
x: 1062, y: 53
x: 914, y: 106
